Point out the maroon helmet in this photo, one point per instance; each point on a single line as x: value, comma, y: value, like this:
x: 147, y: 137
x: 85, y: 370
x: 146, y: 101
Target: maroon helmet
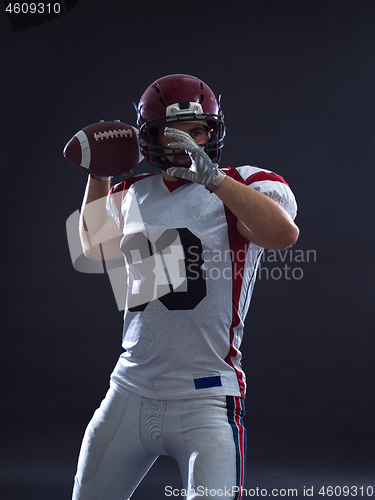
x: 176, y: 98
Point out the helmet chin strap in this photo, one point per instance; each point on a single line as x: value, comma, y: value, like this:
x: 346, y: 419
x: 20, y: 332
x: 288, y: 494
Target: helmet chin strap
x: 165, y: 163
x: 169, y: 165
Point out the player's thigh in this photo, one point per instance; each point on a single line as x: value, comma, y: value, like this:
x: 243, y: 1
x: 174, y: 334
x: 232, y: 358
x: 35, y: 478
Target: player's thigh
x: 112, y: 460
x: 215, y: 442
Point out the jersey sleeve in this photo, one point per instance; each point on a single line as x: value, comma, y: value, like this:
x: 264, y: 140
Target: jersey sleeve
x: 268, y: 183
x: 116, y: 197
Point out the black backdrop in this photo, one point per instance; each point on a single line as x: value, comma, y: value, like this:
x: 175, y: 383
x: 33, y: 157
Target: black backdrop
x: 297, y: 79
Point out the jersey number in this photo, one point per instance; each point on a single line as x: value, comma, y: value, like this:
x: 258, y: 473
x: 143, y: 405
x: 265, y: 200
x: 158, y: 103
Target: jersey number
x: 145, y: 260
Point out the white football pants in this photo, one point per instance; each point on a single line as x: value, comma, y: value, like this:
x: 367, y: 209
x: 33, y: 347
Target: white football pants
x: 128, y: 432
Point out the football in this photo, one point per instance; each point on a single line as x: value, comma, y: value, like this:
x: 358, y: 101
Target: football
x: 104, y: 149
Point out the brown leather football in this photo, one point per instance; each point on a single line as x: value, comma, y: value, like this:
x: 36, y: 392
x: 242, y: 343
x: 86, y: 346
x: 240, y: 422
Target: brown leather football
x: 104, y: 148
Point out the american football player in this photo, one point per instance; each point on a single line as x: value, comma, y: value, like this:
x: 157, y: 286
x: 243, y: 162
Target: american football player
x: 192, y: 235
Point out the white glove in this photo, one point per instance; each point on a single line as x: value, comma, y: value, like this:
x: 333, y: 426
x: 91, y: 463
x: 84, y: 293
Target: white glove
x: 202, y: 170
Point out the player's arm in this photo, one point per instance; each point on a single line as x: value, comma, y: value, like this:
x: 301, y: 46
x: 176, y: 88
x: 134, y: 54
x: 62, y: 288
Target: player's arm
x: 99, y: 233
x: 261, y: 220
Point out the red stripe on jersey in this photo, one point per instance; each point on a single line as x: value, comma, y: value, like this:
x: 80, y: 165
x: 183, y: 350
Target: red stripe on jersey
x: 264, y: 176
x: 238, y: 245
x: 257, y: 177
x: 127, y: 183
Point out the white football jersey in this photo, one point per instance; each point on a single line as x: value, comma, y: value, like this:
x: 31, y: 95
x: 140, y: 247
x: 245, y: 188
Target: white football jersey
x: 190, y: 280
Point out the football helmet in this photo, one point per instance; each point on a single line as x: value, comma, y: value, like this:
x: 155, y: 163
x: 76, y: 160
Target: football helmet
x: 172, y: 99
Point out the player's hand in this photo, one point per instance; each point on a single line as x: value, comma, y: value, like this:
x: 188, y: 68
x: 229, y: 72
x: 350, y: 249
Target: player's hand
x: 202, y: 170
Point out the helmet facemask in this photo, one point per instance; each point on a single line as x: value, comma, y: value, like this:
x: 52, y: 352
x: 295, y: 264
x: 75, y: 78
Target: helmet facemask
x: 161, y: 156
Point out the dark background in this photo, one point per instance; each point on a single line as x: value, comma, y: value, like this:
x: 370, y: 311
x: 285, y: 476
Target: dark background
x: 297, y: 80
